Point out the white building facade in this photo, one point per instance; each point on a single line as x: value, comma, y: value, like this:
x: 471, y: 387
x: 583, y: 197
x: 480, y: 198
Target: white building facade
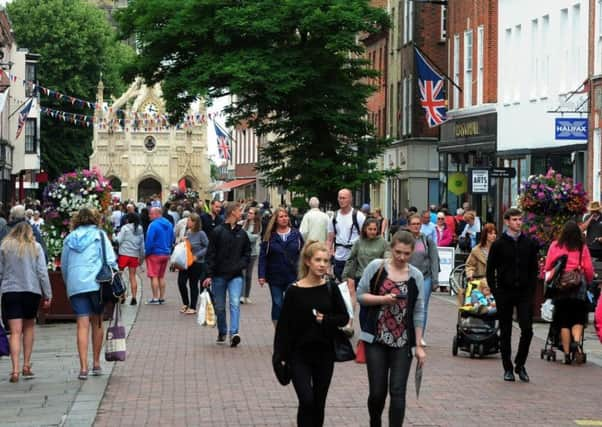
x: 542, y: 90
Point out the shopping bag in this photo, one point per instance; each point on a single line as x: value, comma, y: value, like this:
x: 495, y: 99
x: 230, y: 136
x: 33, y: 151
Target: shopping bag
x: 202, y: 310
x: 360, y: 352
x: 344, y: 289
x: 189, y: 254
x: 115, y: 339
x: 179, y: 258
x: 4, y: 348
x: 547, y: 310
x: 210, y: 319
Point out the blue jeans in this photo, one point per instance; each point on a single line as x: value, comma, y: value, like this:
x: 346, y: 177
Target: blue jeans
x: 428, y: 283
x: 277, y: 291
x: 234, y: 286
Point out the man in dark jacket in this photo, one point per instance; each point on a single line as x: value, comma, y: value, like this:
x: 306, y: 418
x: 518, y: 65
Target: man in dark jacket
x: 228, y: 255
x: 212, y: 219
x: 512, y: 267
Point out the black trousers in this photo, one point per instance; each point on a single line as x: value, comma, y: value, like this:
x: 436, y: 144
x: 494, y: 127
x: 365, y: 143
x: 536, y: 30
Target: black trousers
x: 311, y: 379
x: 506, y: 301
x: 191, y: 277
x: 388, y: 368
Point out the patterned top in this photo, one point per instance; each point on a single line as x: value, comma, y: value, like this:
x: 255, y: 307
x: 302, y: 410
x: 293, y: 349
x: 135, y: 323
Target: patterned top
x: 393, y: 319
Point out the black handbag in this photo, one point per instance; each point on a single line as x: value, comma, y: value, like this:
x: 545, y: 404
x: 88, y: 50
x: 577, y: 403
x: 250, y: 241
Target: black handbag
x: 110, y: 280
x: 343, y: 350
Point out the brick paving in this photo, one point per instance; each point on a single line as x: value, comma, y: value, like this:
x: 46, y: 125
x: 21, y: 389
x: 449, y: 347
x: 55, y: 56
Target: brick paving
x: 176, y: 375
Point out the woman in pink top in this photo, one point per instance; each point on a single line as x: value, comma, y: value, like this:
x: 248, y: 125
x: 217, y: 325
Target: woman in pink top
x: 570, y: 306
x: 445, y: 236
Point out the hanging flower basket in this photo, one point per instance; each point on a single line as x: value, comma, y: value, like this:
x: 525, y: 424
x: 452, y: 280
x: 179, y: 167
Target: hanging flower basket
x: 65, y: 196
x: 549, y: 201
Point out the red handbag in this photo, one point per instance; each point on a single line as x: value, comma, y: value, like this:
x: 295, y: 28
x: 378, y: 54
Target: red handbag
x: 360, y: 352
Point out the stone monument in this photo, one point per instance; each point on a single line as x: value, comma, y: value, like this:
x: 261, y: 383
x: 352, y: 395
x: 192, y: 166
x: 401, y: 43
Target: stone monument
x: 135, y: 147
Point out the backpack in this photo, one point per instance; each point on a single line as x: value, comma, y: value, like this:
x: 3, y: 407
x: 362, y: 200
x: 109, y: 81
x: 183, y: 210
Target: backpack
x: 354, y: 223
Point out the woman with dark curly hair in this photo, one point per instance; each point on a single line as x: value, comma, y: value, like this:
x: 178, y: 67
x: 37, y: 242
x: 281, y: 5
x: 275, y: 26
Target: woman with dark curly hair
x: 81, y: 261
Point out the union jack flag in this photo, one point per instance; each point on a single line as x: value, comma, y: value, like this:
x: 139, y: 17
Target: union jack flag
x: 222, y: 142
x: 432, y: 95
x: 23, y: 117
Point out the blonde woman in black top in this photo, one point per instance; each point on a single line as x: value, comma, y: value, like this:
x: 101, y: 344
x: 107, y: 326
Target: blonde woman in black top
x: 311, y: 313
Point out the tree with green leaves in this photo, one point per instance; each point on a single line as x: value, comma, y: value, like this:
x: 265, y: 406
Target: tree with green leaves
x: 295, y: 68
x: 76, y: 44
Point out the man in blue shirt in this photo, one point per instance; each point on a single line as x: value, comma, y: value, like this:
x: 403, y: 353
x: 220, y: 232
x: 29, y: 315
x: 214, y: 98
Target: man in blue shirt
x: 157, y: 246
x: 428, y: 228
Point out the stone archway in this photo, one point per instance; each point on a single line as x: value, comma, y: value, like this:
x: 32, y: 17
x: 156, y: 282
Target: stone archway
x: 147, y: 188
x: 115, y: 183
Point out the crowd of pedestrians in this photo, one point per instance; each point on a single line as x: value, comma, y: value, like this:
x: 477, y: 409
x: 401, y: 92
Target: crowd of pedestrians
x: 390, y: 268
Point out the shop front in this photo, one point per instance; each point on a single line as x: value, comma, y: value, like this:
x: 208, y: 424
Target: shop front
x: 467, y: 159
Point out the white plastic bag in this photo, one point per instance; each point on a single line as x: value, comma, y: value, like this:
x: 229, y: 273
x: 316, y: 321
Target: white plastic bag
x: 344, y: 289
x: 547, y: 310
x: 178, y: 256
x: 201, y: 312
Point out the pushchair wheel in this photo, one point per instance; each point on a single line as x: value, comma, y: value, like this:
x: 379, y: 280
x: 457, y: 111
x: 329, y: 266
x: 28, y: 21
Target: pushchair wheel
x: 554, y: 356
x: 481, y: 350
x: 455, y: 346
x: 542, y: 353
x: 473, y: 350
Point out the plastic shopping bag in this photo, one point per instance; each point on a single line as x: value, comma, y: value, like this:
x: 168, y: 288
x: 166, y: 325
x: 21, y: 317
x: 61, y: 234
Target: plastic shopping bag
x: 179, y: 258
x: 547, y: 310
x: 201, y: 312
x: 344, y: 289
x: 210, y: 319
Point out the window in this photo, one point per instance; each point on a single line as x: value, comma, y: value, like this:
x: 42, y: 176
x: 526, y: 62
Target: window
x: 31, y: 131
x: 400, y: 25
x: 517, y: 49
x: 480, y: 66
x: 400, y: 112
x: 535, y: 52
x: 545, y: 55
x: 577, y: 34
x: 507, y: 81
x: 31, y: 77
x: 456, y: 100
x: 468, y: 68
x: 391, y: 112
x: 392, y: 30
x: 409, y: 103
x: 564, y: 50
x: 443, y: 23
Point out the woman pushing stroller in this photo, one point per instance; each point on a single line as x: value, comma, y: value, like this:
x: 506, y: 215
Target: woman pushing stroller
x: 570, y: 298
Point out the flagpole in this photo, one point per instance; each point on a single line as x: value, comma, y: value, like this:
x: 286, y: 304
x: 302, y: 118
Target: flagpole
x: 434, y: 64
x: 18, y: 108
x: 228, y: 134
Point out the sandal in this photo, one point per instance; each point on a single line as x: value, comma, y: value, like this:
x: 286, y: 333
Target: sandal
x: 27, y: 373
x: 579, y: 355
x: 14, y: 377
x: 83, y: 375
x: 190, y: 311
x: 183, y: 309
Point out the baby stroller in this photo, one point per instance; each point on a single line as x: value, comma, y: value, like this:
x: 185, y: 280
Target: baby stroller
x: 553, y: 342
x: 476, y: 333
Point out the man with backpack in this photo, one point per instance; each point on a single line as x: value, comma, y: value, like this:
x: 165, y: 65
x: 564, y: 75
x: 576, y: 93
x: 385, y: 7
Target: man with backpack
x: 343, y: 231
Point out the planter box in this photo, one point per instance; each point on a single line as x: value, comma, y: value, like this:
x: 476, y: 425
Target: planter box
x: 60, y: 308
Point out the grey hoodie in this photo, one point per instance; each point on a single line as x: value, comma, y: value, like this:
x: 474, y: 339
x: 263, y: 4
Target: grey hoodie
x: 131, y: 242
x: 24, y: 273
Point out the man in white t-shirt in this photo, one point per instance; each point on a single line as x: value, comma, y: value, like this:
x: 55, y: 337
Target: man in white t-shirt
x: 343, y: 231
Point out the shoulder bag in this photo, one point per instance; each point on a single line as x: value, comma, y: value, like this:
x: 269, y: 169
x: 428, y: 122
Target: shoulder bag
x: 571, y: 279
x: 111, y: 283
x: 4, y: 347
x: 343, y: 350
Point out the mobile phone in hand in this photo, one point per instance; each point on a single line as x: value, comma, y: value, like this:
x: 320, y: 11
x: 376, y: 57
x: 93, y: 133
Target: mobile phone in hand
x: 400, y: 296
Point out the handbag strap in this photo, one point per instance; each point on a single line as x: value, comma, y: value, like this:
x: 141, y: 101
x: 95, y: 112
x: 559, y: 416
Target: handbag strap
x: 378, y: 274
x: 116, y: 314
x: 102, y: 246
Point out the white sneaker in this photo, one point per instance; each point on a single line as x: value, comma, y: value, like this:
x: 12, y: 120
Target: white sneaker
x: 422, y: 342
x: 248, y: 301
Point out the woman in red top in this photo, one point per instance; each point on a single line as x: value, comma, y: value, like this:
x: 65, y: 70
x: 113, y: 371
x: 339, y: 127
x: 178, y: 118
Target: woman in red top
x: 570, y: 307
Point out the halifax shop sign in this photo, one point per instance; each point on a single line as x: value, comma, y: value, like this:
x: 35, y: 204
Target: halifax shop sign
x: 568, y: 128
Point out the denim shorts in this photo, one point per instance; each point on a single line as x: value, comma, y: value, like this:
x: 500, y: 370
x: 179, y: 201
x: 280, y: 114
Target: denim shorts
x: 86, y: 304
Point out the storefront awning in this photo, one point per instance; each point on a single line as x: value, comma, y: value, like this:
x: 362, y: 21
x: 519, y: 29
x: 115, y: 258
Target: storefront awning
x: 227, y: 186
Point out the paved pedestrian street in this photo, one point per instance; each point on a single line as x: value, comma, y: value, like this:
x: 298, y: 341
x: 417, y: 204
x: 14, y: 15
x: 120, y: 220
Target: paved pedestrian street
x: 175, y: 375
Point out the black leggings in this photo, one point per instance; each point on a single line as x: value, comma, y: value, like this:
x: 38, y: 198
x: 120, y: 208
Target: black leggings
x: 388, y: 367
x: 311, y: 379
x: 192, y: 276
